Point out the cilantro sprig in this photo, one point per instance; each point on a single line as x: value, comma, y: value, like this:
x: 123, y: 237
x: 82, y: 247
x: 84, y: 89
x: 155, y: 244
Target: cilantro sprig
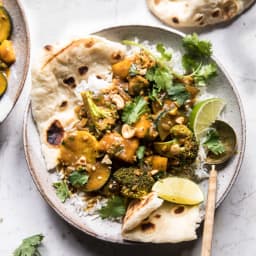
x: 196, y: 59
x: 115, y: 208
x: 62, y: 190
x: 29, y: 246
x: 161, y: 77
x: 197, y: 48
x: 178, y: 93
x: 134, y: 110
x: 165, y: 55
x: 140, y: 152
x: 78, y: 178
x: 213, y: 142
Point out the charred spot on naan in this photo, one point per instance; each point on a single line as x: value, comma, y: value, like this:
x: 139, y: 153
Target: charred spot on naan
x: 70, y: 81
x: 55, y: 133
x: 63, y: 105
x: 175, y: 20
x: 99, y: 76
x: 216, y: 13
x: 82, y: 70
x: 198, y: 17
x: 48, y: 47
x: 179, y: 210
x: 148, y: 227
x: 117, y: 56
x: 157, y: 216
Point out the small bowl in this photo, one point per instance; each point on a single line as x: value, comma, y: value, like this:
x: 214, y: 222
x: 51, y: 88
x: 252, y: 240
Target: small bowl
x: 21, y: 41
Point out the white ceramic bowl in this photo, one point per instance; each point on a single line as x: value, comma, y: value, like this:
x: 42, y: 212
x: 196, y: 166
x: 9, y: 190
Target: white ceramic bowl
x: 20, y: 38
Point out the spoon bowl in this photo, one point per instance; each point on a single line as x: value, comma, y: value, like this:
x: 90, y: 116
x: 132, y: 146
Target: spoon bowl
x: 227, y: 136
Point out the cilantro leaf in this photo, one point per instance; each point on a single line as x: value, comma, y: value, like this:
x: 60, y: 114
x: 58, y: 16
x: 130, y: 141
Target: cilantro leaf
x: 78, y: 178
x: 196, y: 47
x: 114, y: 208
x: 213, y: 143
x: 179, y: 93
x: 134, y: 110
x: 189, y: 63
x: 140, y: 152
x: 29, y: 246
x: 161, y: 76
x: 153, y: 95
x: 165, y: 55
x: 62, y: 190
x: 204, y: 73
x: 194, y: 60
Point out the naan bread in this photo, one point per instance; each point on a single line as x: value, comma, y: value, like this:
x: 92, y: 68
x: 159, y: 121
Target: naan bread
x: 168, y: 224
x: 195, y: 13
x: 54, y: 83
x: 138, y: 210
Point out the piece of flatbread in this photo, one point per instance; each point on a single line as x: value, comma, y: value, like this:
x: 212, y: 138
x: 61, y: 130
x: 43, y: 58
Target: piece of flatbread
x: 196, y: 13
x: 54, y: 83
x: 138, y: 210
x: 168, y: 224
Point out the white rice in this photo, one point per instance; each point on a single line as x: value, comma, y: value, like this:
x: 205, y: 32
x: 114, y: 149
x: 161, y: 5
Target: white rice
x: 94, y: 83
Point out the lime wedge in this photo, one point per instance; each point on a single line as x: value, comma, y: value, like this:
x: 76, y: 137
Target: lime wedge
x: 179, y: 191
x: 204, y: 115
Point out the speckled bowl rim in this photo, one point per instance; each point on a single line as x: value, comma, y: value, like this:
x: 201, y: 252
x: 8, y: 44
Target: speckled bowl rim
x: 27, y: 61
x: 82, y: 227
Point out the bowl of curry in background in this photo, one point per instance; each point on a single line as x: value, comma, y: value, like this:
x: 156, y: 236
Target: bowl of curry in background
x: 14, y: 54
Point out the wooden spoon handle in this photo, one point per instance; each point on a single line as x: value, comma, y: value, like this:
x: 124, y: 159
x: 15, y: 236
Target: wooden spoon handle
x: 209, y: 214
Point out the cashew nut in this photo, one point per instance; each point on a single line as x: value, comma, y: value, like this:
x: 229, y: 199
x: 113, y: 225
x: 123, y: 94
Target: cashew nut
x: 127, y: 131
x: 118, y: 100
x: 180, y: 120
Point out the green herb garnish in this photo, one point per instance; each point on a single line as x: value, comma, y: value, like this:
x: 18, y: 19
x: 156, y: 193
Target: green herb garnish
x: 62, y: 190
x: 179, y: 93
x: 134, y: 110
x: 165, y: 55
x: 196, y: 47
x: 161, y: 77
x: 213, y: 142
x: 140, y: 152
x: 78, y: 178
x: 29, y: 246
x: 204, y: 73
x: 195, y: 60
x: 114, y: 208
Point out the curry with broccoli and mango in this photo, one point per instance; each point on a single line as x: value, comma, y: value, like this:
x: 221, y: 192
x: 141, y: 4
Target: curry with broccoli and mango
x: 7, y: 54
x: 136, y: 131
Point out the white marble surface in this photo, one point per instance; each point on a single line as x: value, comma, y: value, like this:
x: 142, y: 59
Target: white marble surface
x: 23, y: 212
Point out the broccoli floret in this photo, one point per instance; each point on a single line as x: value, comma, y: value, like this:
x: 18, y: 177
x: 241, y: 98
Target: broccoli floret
x: 103, y: 118
x: 182, y: 149
x: 134, y: 183
x: 181, y: 131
